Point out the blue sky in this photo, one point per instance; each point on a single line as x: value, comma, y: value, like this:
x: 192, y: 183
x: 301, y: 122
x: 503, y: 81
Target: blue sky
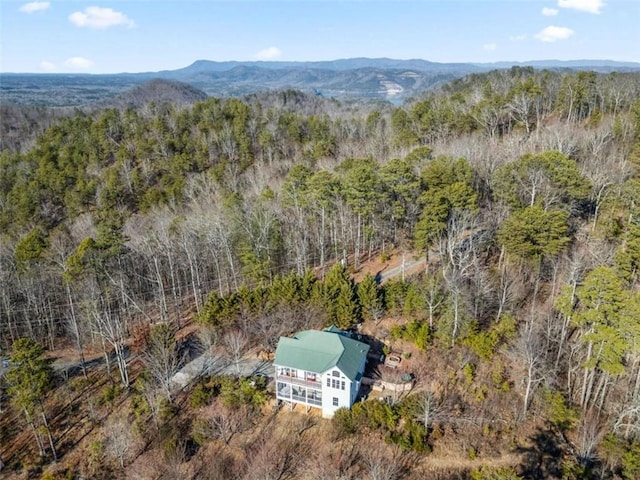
x: 149, y: 35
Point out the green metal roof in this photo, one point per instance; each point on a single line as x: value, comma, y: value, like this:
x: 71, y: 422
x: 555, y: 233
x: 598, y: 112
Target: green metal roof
x: 318, y: 351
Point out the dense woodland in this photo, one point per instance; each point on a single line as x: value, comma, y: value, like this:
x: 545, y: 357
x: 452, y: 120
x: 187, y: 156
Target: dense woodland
x: 520, y: 189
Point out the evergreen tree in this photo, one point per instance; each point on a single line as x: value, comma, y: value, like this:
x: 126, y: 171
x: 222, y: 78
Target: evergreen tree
x: 607, y: 317
x: 370, y: 298
x: 550, y: 179
x: 533, y: 233
x: 30, y: 377
x: 340, y: 298
x: 448, y: 190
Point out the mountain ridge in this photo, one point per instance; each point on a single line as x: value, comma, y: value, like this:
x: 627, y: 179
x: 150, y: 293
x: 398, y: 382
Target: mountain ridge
x: 355, y: 63
x: 352, y: 78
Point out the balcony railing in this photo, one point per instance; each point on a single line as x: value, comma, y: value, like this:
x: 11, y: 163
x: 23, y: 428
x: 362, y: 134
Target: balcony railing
x: 310, y: 401
x: 299, y: 381
x: 286, y: 394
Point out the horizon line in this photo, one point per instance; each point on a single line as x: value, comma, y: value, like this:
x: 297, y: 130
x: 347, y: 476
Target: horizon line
x: 274, y: 61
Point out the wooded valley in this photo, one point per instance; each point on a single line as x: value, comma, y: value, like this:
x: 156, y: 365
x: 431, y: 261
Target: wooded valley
x: 131, y: 237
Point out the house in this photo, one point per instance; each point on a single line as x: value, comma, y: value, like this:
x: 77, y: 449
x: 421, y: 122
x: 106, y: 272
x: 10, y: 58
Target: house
x: 320, y: 368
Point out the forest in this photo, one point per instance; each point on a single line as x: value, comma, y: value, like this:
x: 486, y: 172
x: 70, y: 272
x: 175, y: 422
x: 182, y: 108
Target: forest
x: 127, y: 235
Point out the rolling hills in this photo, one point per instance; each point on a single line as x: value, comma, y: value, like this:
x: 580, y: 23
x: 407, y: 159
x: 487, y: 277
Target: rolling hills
x: 355, y: 78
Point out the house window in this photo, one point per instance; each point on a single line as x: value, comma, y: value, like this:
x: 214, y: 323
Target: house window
x: 335, y: 401
x: 335, y: 373
x: 335, y: 383
x: 328, y: 382
x: 342, y: 385
x: 284, y: 390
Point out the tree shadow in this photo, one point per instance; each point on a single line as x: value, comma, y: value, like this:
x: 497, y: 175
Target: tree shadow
x: 70, y: 370
x: 375, y: 345
x: 543, y: 458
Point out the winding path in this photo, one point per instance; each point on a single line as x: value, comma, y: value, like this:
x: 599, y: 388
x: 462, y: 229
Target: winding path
x: 409, y: 266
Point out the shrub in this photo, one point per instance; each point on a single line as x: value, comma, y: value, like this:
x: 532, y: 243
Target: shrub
x: 415, y: 331
x: 167, y: 410
x: 500, y: 383
x: 559, y: 412
x: 109, y: 393
x: 201, y: 431
x: 343, y: 423
x: 622, y: 456
x: 377, y: 414
x: 235, y: 393
x: 631, y: 462
x: 473, y: 453
x: 139, y: 406
x: 412, y: 437
x: 469, y: 372
x: 200, y: 395
x: 485, y: 344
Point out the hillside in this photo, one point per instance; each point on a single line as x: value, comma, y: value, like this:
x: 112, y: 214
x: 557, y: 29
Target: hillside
x: 485, y: 234
x: 346, y: 79
x: 157, y: 91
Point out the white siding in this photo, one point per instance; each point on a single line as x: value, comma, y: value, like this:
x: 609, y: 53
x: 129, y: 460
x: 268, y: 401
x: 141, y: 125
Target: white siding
x: 355, y: 386
x: 329, y: 393
x: 292, y: 379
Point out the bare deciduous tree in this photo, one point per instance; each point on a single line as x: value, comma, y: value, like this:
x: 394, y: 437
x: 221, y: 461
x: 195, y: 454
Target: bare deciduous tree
x: 119, y: 438
x: 333, y: 462
x: 275, y: 457
x: 218, y: 421
x: 384, y: 462
x: 591, y: 429
x: 528, y: 355
x: 162, y: 358
x: 235, y: 342
x: 111, y: 329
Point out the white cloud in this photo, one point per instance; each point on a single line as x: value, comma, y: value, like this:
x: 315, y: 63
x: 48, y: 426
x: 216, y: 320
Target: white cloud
x: 517, y: 38
x: 270, y: 53
x: 32, y: 7
x: 490, y: 47
x: 552, y: 34
x: 47, y: 66
x: 549, y: 12
x: 78, y: 63
x: 591, y: 6
x: 98, y: 17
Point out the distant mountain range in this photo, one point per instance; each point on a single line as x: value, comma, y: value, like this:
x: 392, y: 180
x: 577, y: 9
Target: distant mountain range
x: 602, y: 66
x: 372, y: 78
x: 341, y: 65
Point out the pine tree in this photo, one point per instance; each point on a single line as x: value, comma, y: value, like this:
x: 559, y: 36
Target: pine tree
x: 29, y: 378
x: 370, y: 298
x: 340, y: 298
